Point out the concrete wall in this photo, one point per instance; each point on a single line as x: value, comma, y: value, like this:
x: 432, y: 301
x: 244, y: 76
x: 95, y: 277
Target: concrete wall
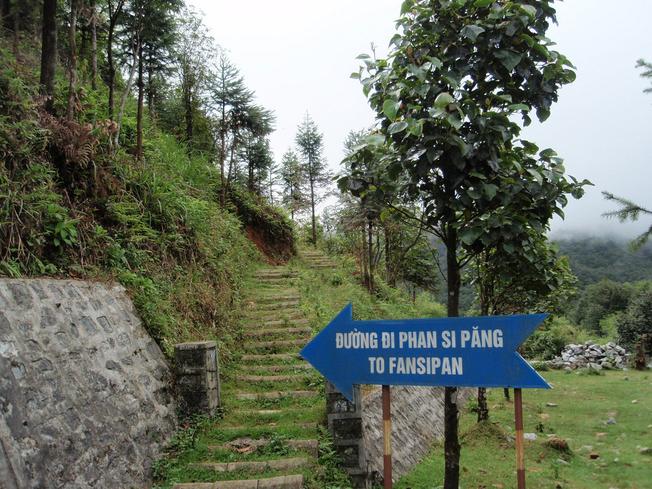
x: 417, y: 421
x: 85, y: 398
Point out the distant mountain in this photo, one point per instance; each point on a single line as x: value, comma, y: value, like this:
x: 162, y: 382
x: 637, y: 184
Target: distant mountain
x: 593, y: 259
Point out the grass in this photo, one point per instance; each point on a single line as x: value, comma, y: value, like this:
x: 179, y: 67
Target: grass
x: 584, y: 403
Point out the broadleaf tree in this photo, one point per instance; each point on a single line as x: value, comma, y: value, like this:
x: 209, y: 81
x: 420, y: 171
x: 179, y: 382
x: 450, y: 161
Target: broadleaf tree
x: 520, y: 281
x: 446, y: 98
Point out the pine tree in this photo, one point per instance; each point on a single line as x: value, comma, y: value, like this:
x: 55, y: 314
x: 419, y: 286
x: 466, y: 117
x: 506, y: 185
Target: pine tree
x: 230, y: 98
x: 311, y: 147
x: 293, y: 181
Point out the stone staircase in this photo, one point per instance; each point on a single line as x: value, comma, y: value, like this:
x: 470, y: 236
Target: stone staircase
x: 317, y: 260
x: 268, y: 437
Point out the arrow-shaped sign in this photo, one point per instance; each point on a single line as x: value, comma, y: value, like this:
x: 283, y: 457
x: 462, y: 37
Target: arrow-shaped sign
x: 460, y: 352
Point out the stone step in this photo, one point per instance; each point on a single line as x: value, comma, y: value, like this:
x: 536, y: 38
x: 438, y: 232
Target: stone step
x: 273, y: 306
x: 283, y: 482
x: 271, y: 356
x: 258, y: 466
x: 271, y: 378
x: 271, y: 273
x: 279, y: 331
x: 276, y: 344
x: 255, y: 396
x: 277, y: 281
x: 265, y: 299
x: 281, y: 368
x: 276, y: 323
x: 271, y: 412
x: 268, y: 426
x: 253, y: 315
x: 242, y: 444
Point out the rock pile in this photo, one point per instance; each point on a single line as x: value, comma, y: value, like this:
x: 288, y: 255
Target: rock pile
x: 592, y: 355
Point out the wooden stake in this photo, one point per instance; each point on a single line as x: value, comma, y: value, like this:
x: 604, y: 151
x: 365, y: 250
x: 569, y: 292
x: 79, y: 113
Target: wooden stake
x: 520, y: 449
x: 387, y: 438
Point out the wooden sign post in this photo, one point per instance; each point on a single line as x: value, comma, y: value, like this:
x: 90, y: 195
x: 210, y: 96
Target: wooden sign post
x: 520, y: 448
x: 387, y: 438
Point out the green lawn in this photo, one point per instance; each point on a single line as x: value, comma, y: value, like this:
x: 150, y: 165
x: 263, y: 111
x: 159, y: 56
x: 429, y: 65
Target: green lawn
x: 584, y: 403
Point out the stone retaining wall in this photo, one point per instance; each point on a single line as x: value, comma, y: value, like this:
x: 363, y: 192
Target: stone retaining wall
x: 417, y: 421
x: 85, y: 398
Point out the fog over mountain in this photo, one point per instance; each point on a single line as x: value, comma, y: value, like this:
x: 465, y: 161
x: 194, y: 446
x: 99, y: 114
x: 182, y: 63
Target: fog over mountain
x: 298, y: 56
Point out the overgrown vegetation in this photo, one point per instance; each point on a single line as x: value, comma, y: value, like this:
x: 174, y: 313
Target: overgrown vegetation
x: 71, y: 204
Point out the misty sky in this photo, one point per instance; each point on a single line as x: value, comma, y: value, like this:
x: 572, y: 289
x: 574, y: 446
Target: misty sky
x: 298, y: 54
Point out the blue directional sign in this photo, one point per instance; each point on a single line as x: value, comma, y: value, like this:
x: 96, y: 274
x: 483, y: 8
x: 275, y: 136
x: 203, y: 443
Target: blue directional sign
x: 459, y: 352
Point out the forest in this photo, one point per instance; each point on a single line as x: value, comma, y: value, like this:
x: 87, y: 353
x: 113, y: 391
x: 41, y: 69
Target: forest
x: 134, y: 150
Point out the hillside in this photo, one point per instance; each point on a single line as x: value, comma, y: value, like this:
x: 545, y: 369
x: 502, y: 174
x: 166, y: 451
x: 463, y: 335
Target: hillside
x: 73, y: 203
x: 596, y: 258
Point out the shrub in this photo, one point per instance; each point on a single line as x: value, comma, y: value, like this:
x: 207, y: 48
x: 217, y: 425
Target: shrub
x: 637, y: 319
x: 600, y: 300
x: 550, y: 339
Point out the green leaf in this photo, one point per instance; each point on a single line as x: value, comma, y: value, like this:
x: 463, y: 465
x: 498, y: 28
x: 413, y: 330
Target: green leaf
x: 407, y: 6
x: 397, y: 127
x: 548, y: 153
x: 390, y: 109
x: 482, y: 3
x: 416, y: 129
x: 536, y: 175
x: 454, y: 121
x: 530, y: 10
x: 375, y: 139
x: 444, y: 99
x: 509, y: 59
x: 472, y: 32
x: 490, y: 190
x: 470, y: 236
x: 516, y: 107
x: 436, y: 62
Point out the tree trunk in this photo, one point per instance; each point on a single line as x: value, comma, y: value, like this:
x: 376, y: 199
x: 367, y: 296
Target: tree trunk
x: 114, y: 15
x: 16, y: 26
x: 451, y: 412
x: 483, y: 406
x: 389, y: 258
x: 125, y: 95
x: 370, y: 246
x: 223, y: 154
x: 250, y: 176
x: 49, y: 52
x: 111, y: 63
x: 5, y: 13
x: 230, y: 176
x: 72, y: 42
x: 506, y: 393
x: 150, y: 92
x: 363, y: 259
x: 187, y: 103
x: 139, y: 114
x: 94, y: 44
x: 312, y: 209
